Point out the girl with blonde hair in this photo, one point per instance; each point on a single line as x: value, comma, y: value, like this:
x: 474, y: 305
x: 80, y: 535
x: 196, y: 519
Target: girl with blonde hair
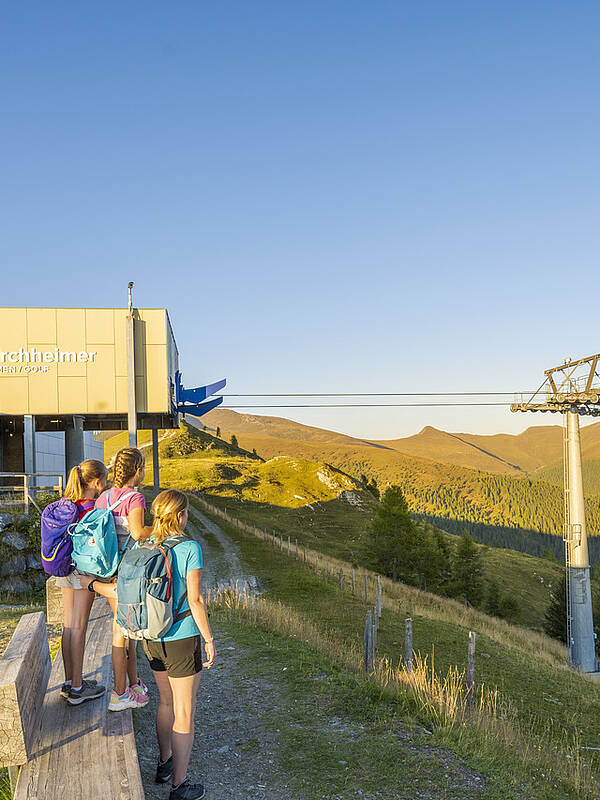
x: 128, y: 474
x: 86, y: 481
x: 176, y: 658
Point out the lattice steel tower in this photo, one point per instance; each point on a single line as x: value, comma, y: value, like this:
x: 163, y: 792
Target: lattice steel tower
x: 573, y: 390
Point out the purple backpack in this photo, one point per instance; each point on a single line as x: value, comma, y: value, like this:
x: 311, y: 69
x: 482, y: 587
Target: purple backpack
x: 58, y: 520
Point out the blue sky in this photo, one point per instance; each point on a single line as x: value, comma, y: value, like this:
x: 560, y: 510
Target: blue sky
x: 327, y: 196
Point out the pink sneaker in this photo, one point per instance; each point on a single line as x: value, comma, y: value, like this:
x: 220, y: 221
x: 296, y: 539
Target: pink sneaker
x: 129, y: 699
x: 140, y: 688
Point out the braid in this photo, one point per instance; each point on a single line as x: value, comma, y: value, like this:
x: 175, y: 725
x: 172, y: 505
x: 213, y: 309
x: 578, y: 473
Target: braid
x: 128, y: 462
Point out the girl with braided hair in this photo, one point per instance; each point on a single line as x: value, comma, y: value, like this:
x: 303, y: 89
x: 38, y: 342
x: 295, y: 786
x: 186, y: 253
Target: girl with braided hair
x: 86, y: 481
x: 128, y: 473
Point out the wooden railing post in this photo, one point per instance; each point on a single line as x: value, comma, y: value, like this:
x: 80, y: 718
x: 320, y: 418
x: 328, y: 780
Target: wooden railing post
x: 366, y: 589
x: 341, y: 579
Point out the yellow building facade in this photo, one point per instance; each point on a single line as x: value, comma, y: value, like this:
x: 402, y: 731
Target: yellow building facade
x: 62, y: 361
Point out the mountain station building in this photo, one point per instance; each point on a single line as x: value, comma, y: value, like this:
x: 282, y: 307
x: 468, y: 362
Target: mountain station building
x: 66, y: 376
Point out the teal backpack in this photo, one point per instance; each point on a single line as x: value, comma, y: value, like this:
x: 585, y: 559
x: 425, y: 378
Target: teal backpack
x: 95, y: 543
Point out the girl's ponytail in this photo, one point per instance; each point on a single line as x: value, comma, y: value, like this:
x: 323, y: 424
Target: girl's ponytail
x: 81, y: 476
x: 74, y: 488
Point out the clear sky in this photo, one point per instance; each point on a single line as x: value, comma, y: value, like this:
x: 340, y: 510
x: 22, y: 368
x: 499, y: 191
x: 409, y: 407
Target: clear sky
x: 327, y: 196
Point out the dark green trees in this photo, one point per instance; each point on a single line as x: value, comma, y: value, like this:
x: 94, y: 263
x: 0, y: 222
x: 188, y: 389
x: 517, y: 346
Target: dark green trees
x: 468, y: 571
x: 234, y: 440
x: 402, y: 549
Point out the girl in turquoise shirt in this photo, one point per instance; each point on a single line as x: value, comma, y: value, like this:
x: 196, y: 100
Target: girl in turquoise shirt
x: 176, y: 659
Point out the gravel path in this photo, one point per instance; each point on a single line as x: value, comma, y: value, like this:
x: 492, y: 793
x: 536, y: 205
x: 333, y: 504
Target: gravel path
x: 233, y: 753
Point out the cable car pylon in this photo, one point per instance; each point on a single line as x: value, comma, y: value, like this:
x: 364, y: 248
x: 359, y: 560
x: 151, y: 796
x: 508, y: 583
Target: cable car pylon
x: 573, y: 390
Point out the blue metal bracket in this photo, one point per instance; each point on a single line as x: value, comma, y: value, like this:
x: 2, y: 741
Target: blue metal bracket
x: 187, y: 401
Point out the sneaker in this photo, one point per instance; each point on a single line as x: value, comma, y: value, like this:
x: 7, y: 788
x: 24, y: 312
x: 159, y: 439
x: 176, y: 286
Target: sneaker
x: 87, y: 692
x: 187, y: 791
x: 140, y: 687
x: 164, y: 771
x: 128, y: 699
x: 64, y: 689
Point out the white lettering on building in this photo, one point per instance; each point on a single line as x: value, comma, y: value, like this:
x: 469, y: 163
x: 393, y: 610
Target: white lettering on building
x: 35, y: 356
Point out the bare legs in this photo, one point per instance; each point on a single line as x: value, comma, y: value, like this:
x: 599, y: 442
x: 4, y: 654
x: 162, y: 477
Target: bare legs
x: 124, y: 660
x: 76, y: 613
x: 82, y: 604
x: 65, y: 644
x: 175, y: 720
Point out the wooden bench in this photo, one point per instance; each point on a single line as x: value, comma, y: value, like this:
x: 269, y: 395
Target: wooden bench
x: 24, y: 672
x: 82, y: 752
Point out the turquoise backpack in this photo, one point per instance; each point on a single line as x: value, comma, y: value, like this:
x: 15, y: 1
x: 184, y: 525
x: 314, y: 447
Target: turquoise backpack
x: 95, y: 543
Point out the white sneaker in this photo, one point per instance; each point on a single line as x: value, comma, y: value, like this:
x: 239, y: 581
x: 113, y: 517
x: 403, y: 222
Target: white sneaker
x: 129, y: 699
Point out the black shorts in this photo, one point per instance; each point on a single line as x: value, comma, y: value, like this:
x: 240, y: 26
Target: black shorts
x: 179, y: 658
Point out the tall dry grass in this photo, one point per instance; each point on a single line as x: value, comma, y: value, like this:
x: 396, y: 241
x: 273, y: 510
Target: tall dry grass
x: 439, y: 700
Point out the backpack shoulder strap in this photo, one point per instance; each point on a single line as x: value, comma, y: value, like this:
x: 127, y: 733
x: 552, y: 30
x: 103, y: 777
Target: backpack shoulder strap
x: 119, y: 501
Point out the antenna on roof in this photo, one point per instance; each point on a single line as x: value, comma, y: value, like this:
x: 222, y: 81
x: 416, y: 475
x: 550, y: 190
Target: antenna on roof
x: 130, y: 286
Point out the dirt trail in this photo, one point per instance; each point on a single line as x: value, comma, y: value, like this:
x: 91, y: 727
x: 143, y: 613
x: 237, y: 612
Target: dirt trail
x: 223, y: 567
x: 233, y: 751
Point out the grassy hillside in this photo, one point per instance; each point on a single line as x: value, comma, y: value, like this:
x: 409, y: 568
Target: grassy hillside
x: 325, y: 509
x: 497, y: 503
x: 537, y: 447
x: 544, y: 712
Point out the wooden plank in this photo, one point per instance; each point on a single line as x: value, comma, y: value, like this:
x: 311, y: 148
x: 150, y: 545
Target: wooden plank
x: 84, y: 751
x: 24, y: 672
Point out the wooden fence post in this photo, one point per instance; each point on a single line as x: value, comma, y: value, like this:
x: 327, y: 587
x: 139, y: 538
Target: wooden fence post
x: 327, y: 563
x: 408, y: 644
x: 305, y: 555
x: 317, y: 565
x: 379, y: 596
x: 353, y: 581
x: 470, y: 669
x: 367, y: 642
x: 366, y: 589
x: 288, y: 546
x: 280, y: 543
x: 341, y: 580
x: 296, y: 549
x: 373, y: 638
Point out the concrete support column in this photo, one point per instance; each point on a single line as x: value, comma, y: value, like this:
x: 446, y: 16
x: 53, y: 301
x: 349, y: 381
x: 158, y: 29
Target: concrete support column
x: 74, y: 444
x: 155, y: 463
x: 583, y: 652
x: 28, y: 443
